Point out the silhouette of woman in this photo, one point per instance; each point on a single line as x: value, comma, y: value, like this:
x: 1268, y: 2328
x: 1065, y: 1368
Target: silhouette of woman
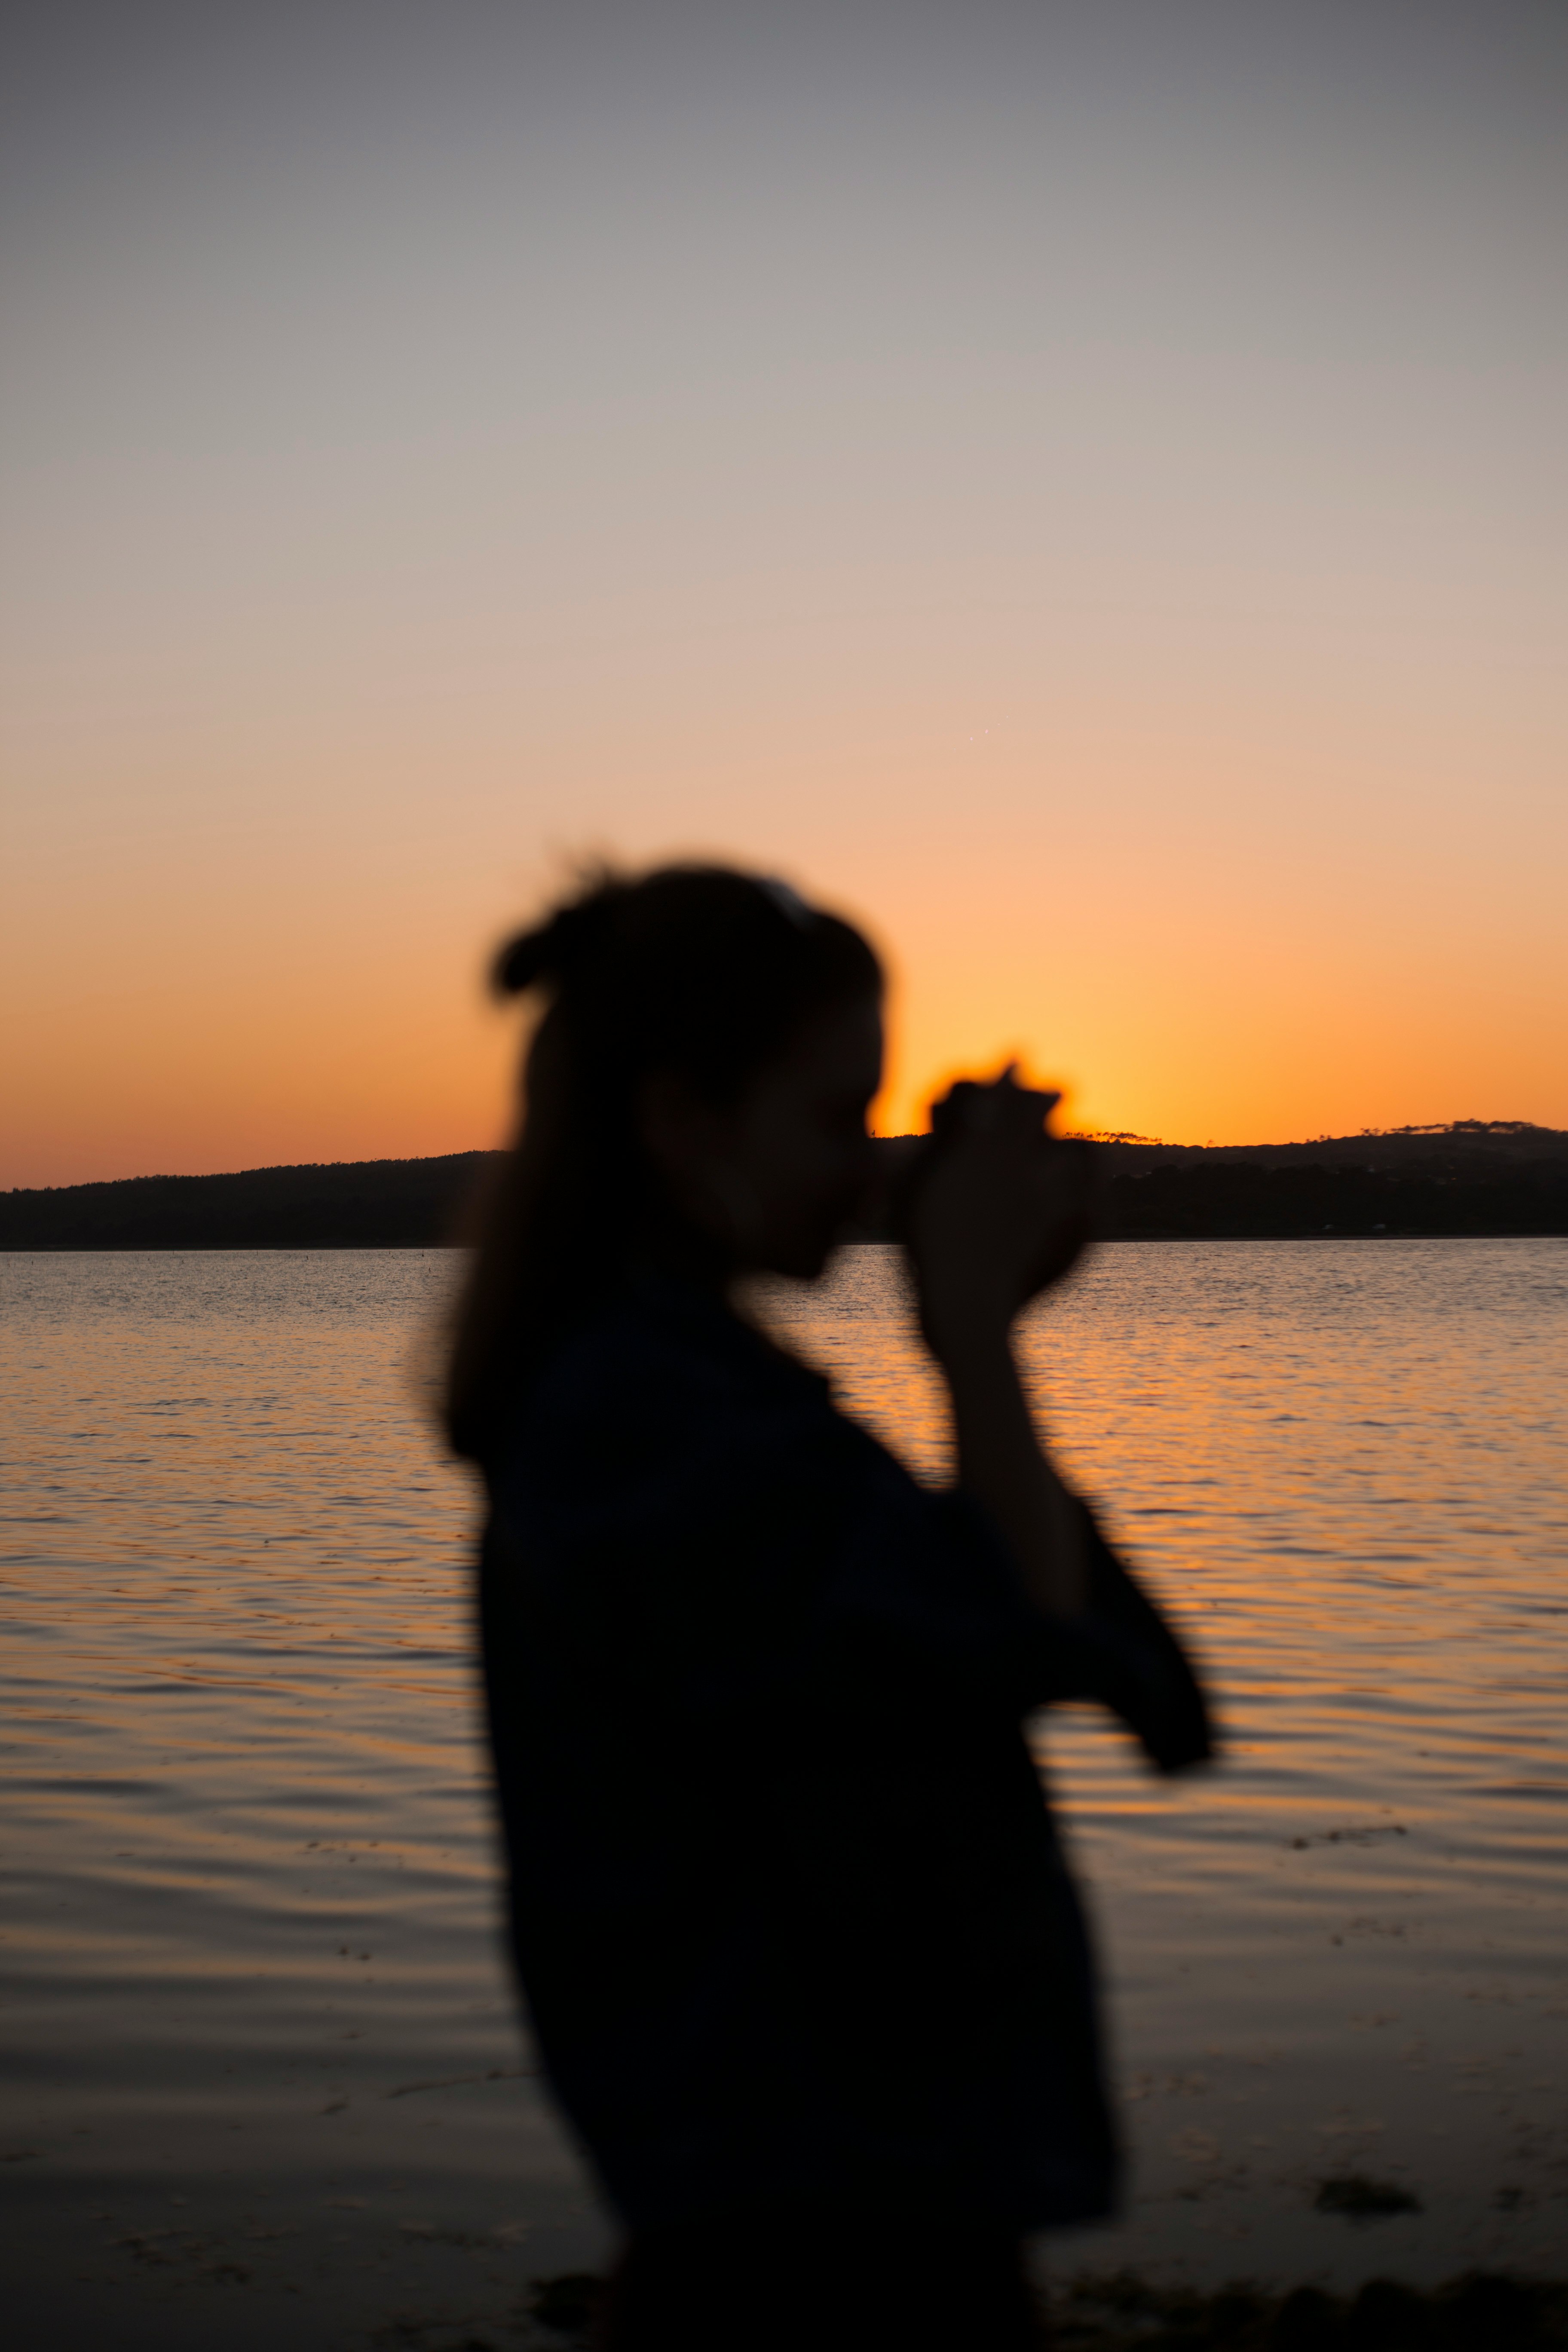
x: 805, y: 1966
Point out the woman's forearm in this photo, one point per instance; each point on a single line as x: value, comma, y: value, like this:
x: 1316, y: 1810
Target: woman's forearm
x: 1001, y: 1463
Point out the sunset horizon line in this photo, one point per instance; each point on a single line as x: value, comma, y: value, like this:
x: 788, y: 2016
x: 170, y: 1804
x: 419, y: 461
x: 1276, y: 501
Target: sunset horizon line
x: 1464, y: 1130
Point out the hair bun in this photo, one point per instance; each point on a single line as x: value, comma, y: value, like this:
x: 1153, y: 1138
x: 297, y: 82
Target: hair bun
x: 521, y: 962
x: 644, y: 919
x: 549, y: 950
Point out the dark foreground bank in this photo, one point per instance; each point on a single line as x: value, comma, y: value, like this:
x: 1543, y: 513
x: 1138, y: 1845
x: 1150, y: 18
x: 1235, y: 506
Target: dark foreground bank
x: 1476, y: 1179
x: 1477, y: 2312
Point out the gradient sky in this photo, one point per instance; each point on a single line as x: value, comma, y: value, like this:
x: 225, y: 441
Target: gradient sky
x: 1082, y: 486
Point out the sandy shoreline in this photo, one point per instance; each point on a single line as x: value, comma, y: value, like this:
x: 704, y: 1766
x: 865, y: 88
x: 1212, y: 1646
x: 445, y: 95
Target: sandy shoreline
x: 188, y: 2287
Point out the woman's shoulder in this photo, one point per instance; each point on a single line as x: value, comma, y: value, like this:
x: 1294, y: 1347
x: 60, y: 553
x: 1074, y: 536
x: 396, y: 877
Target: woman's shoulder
x: 666, y: 1429
x: 655, y: 1367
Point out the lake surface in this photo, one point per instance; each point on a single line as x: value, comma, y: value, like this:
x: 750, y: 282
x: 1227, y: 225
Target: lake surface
x: 260, y: 2070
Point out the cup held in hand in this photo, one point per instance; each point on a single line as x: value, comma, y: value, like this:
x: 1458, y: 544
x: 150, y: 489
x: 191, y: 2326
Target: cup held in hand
x: 1019, y: 1171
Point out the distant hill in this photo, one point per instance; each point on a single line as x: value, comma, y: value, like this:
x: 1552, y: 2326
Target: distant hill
x: 1465, y: 1147
x: 349, y: 1204
x: 1475, y: 1177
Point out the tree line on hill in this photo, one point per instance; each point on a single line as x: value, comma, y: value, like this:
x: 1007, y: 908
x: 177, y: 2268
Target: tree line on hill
x: 1474, y: 1178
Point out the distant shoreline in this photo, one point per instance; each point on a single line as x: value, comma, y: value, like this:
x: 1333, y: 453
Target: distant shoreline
x: 1489, y: 1180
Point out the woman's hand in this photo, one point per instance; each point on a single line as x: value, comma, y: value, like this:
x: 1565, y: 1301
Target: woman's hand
x: 1000, y: 1210
x: 997, y: 1211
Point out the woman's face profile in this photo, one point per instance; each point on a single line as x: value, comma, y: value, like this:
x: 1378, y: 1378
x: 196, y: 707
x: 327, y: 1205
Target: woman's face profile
x: 775, y: 1176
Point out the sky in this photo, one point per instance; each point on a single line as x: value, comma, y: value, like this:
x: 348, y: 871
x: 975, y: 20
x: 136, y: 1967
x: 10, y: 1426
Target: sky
x: 1082, y: 489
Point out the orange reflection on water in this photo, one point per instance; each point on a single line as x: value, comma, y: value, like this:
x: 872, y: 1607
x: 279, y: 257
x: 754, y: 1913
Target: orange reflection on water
x: 252, y: 1872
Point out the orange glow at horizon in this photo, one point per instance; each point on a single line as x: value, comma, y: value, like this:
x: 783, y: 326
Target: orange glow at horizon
x: 1230, y: 978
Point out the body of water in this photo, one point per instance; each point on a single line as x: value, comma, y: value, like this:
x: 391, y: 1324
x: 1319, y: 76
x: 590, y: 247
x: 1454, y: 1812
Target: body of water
x: 260, y: 2059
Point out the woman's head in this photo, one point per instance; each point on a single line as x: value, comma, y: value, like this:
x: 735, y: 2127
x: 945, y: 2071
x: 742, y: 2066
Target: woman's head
x: 695, y: 1094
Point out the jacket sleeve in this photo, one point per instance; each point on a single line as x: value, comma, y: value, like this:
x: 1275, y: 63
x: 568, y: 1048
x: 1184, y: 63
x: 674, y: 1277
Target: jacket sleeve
x: 936, y: 1601
x: 1123, y: 1652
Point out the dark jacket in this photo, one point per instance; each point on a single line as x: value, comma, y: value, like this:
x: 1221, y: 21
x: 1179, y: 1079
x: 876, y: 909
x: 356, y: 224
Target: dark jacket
x: 787, y: 1904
